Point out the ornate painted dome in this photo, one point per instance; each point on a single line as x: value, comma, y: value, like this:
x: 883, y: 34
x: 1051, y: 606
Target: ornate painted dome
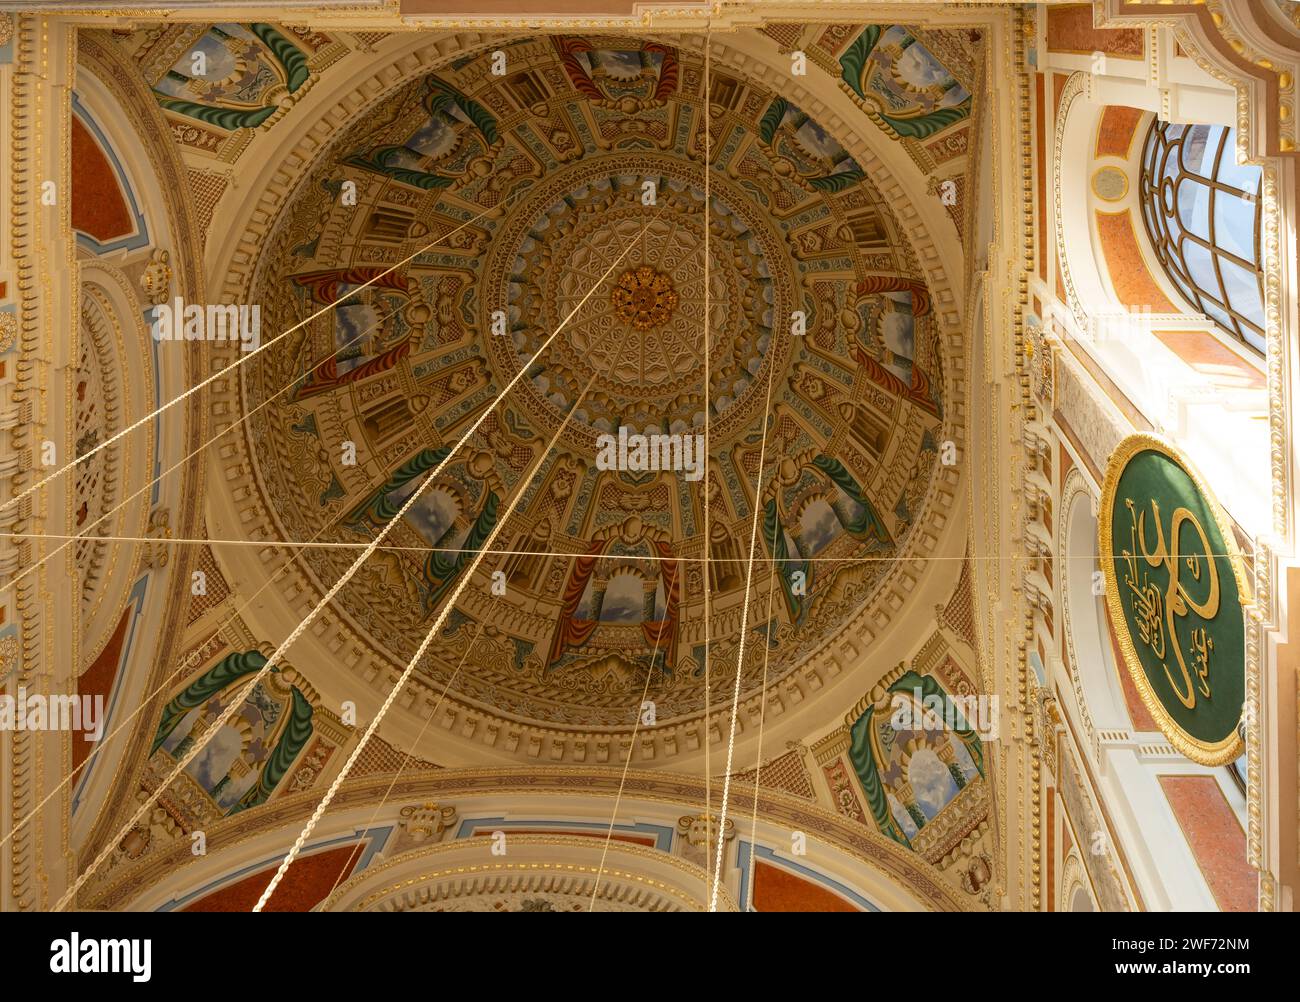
x: 568, y: 196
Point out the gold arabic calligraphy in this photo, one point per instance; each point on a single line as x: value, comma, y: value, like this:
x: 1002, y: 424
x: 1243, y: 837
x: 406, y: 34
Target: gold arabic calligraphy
x: 1157, y: 614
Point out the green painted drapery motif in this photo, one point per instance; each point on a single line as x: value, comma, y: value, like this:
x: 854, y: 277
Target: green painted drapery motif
x: 864, y: 751
x: 229, y: 669
x: 293, y: 738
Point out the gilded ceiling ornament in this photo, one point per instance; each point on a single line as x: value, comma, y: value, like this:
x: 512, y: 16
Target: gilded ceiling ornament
x: 977, y: 875
x: 156, y: 279
x: 157, y: 552
x: 644, y: 298
x: 136, y: 842
x: 422, y: 822
x: 9, y: 656
x: 8, y: 329
x: 699, y: 829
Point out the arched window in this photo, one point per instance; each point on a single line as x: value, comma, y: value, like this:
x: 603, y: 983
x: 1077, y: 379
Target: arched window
x: 1202, y: 213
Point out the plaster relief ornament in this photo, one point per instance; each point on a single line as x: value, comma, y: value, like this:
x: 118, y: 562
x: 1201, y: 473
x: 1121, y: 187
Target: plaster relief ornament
x: 157, y: 551
x: 699, y: 832
x: 156, y: 279
x: 8, y: 329
x: 10, y: 657
x: 423, y: 822
x: 699, y: 829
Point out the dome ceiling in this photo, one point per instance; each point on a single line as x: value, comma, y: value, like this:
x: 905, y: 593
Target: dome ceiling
x: 603, y: 567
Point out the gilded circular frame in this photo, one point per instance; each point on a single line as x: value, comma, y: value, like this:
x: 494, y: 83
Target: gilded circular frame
x: 1109, y: 170
x: 1198, y: 750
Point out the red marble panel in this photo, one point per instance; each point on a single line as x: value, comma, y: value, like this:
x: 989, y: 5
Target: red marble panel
x: 98, y: 206
x: 1209, y: 356
x: 1116, y: 129
x: 97, y: 680
x: 777, y: 890
x: 1069, y: 29
x: 1216, y: 839
x: 1137, y: 710
x: 1134, y: 286
x: 305, y: 884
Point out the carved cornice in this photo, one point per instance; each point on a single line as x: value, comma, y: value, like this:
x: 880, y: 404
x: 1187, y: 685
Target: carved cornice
x: 627, y: 877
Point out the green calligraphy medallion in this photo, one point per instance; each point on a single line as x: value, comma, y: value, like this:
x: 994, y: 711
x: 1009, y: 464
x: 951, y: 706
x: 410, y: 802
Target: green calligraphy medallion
x: 1175, y: 588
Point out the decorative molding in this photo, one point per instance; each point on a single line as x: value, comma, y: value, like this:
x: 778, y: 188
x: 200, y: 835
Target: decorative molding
x: 880, y: 855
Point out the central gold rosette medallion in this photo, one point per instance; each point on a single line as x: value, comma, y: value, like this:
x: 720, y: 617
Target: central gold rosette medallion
x: 644, y: 298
